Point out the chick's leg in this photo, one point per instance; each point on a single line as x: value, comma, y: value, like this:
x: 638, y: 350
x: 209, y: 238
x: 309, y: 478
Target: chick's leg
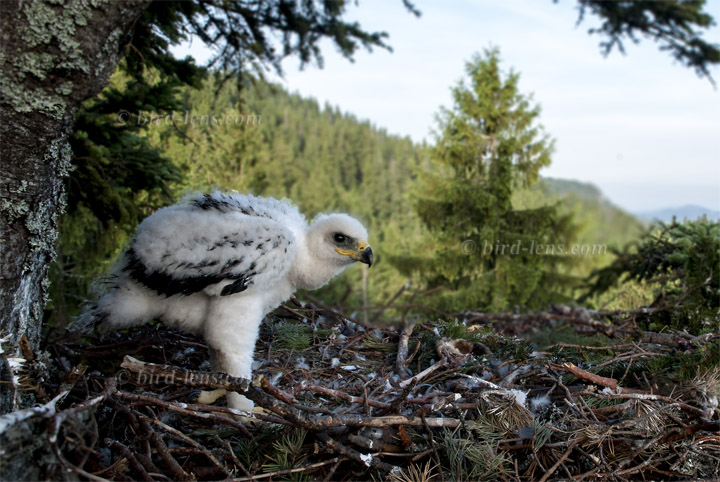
x: 231, y: 330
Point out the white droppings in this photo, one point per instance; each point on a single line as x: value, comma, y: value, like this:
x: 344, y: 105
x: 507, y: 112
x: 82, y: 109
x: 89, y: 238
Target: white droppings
x: 367, y: 458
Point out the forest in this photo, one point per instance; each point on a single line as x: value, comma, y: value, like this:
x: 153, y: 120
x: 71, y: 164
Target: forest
x: 289, y: 147
x: 512, y: 326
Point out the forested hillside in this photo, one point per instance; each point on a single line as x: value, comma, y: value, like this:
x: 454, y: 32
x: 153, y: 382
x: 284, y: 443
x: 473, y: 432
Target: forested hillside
x: 600, y: 220
x: 320, y: 158
x: 267, y: 141
x: 275, y: 144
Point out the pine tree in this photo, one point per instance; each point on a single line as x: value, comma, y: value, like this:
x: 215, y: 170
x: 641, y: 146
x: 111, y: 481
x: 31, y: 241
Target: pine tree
x: 481, y: 249
x: 681, y: 263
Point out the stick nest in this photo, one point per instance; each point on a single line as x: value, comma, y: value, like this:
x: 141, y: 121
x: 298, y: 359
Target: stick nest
x: 439, y: 399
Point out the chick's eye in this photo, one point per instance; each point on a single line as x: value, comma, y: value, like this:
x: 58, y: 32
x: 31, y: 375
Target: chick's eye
x: 339, y: 238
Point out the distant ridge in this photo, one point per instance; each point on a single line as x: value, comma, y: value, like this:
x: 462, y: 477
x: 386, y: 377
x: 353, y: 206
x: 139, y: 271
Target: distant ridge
x: 689, y: 212
x: 600, y: 220
x: 583, y: 190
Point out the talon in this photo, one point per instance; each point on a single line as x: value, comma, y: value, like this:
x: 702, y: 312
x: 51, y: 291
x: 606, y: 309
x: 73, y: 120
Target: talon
x: 208, y: 398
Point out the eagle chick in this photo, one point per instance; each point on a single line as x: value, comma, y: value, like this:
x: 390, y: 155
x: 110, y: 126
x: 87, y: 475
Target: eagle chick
x: 218, y: 264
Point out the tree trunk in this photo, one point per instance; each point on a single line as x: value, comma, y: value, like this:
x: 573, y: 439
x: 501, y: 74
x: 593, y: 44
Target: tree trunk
x: 53, y: 56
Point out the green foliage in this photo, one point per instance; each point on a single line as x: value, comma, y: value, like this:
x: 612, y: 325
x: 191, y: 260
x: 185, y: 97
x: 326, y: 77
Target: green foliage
x: 598, y: 222
x: 293, y: 336
x: 427, y: 353
x: 128, y: 166
x: 679, y: 366
x: 288, y: 453
x: 673, y: 23
x: 119, y: 178
x: 251, y: 451
x: 114, y: 164
x: 321, y: 159
x: 457, y: 329
x: 123, y: 172
x: 542, y: 432
x: 469, y: 459
x: 682, y: 260
x: 85, y: 251
x: 481, y: 248
x: 486, y: 427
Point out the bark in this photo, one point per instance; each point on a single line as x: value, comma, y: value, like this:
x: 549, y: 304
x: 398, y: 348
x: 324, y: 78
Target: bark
x: 53, y: 56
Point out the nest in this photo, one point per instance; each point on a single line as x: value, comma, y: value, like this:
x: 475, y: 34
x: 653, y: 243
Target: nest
x: 437, y: 400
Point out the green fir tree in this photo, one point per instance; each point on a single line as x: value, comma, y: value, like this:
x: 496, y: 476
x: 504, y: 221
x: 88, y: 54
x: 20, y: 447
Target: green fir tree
x: 483, y: 251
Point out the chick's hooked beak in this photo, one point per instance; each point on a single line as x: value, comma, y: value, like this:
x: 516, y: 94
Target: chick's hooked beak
x: 362, y: 253
x: 365, y: 253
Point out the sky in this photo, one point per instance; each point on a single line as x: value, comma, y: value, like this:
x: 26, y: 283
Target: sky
x: 641, y: 126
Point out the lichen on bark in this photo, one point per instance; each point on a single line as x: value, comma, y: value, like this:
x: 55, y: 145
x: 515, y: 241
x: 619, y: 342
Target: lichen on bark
x: 54, y: 54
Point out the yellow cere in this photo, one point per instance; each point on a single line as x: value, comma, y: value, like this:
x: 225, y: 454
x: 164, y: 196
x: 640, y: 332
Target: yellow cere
x: 362, y: 246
